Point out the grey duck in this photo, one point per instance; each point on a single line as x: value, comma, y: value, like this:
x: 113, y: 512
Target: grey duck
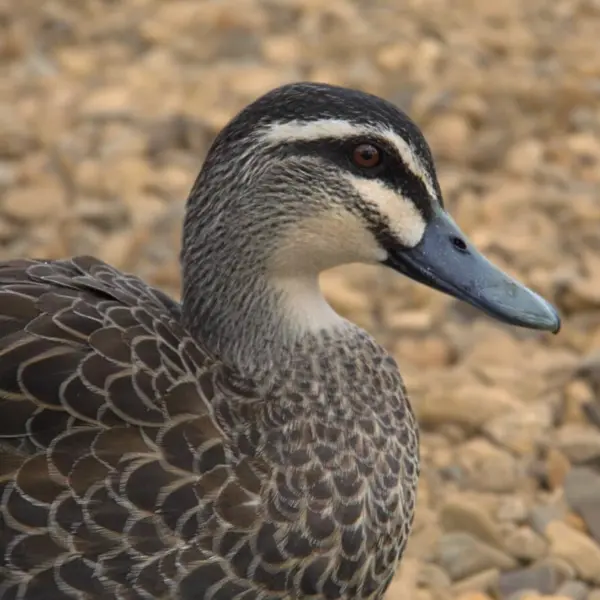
x: 248, y: 443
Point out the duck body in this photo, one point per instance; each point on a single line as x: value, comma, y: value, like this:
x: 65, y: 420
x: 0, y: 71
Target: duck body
x: 248, y: 443
x: 140, y: 467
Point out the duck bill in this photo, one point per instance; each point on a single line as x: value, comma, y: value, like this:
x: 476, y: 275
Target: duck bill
x: 446, y: 261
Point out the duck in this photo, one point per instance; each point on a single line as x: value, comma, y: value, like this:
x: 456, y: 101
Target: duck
x: 247, y: 442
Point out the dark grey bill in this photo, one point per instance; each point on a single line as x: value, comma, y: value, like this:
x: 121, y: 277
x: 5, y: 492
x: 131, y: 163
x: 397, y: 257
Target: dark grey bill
x: 446, y: 261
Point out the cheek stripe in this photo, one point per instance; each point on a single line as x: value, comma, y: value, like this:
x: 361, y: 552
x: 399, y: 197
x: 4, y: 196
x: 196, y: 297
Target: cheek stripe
x: 404, y: 219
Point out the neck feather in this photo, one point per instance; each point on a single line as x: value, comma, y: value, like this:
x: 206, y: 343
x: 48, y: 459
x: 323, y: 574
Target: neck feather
x: 250, y: 319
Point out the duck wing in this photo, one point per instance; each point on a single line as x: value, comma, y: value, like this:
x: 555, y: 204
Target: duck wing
x: 111, y: 457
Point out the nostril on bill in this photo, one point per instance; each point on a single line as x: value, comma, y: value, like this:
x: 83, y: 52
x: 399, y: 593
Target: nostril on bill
x: 459, y: 243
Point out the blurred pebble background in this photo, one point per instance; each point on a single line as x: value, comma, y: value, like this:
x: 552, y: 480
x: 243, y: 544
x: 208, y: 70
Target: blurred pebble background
x: 107, y: 108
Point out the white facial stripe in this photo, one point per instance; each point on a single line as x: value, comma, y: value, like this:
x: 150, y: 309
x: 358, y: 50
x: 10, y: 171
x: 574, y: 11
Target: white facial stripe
x: 406, y: 222
x: 306, y: 131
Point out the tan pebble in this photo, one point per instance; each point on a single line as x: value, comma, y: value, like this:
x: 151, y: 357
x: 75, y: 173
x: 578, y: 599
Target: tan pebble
x: 449, y: 136
x: 393, y: 57
x: 512, y: 509
x: 426, y: 56
x: 145, y: 209
x: 473, y: 596
x: 592, y: 343
x: 459, y: 514
x: 472, y: 105
x: 576, y: 548
x: 43, y: 200
x: 433, y: 577
x: 410, y: 320
x: 404, y: 584
x: 7, y: 231
x: 526, y: 544
x: 477, y: 584
x: 525, y: 157
x: 576, y: 522
x: 130, y: 175
x: 585, y: 146
x: 577, y: 394
x: 117, y: 249
x: 176, y: 179
x: 427, y: 352
x: 489, y: 468
x: 282, y: 49
x: 494, y: 346
x: 521, y: 431
x: 423, y: 594
x: 423, y: 543
x: 557, y: 467
x: 578, y: 443
x: 76, y: 60
x: 470, y: 404
x: 107, y: 100
x: 350, y: 302
x: 253, y: 81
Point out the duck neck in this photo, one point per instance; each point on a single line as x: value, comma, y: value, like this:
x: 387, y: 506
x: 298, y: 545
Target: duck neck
x: 249, y: 317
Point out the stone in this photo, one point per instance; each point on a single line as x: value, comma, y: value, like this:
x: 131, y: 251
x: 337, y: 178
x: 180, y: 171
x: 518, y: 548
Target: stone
x: 458, y: 514
x: 392, y: 57
x: 481, y: 583
x: 525, y: 157
x: 576, y: 548
x: 512, y: 509
x: 449, y: 136
x: 414, y: 321
x: 470, y: 405
x: 45, y: 200
x: 423, y: 543
x: 557, y: 466
x: 525, y: 544
x: 543, y: 514
x: 433, y: 577
x: 423, y: 351
x: 107, y: 101
x: 576, y: 522
x: 589, y: 370
x: 461, y: 555
x: 404, y: 584
x: 487, y: 467
x: 281, y: 49
x: 529, y: 596
x: 521, y: 431
x: 561, y: 567
x: 579, y: 443
x: 576, y: 590
x: 578, y: 394
x: 582, y: 492
x: 543, y: 578
x: 592, y: 413
x: 473, y: 595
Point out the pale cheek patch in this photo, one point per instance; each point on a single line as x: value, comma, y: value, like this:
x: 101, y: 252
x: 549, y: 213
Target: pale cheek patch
x: 405, y: 220
x: 332, y: 238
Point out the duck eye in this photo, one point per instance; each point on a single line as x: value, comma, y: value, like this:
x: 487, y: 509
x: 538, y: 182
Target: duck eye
x: 366, y: 156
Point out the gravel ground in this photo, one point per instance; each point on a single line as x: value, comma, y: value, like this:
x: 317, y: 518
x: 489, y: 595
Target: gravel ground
x: 106, y: 111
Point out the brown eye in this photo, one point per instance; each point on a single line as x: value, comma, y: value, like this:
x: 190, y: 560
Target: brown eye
x: 366, y: 156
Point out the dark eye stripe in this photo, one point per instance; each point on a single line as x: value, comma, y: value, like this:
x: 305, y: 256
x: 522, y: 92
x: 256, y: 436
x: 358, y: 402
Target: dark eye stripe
x: 392, y: 170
